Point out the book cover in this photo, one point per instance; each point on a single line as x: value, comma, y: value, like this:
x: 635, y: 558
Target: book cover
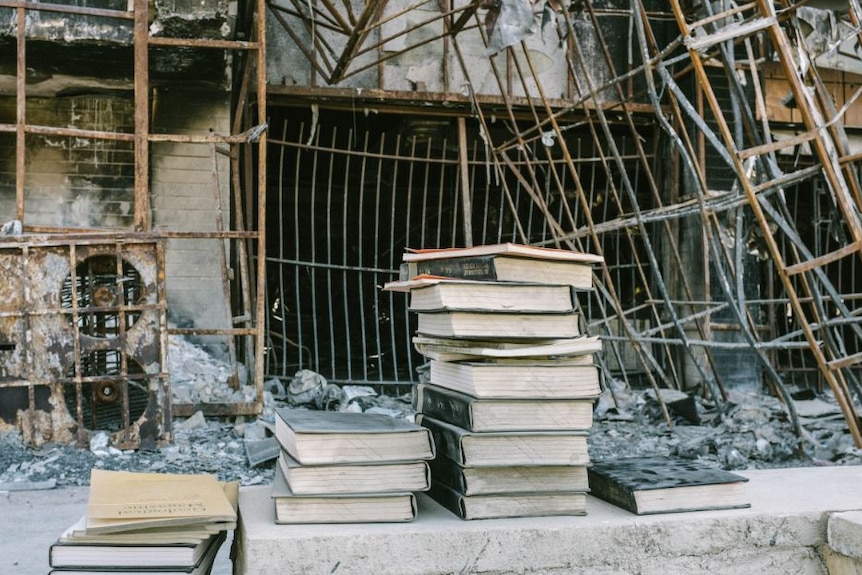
x: 326, y: 437
x: 489, y: 296
x: 659, y: 484
x: 394, y: 477
x: 502, y: 505
x: 475, y: 349
x: 122, y: 501
x: 504, y: 268
x: 488, y: 325
x: 371, y: 507
x: 570, y: 379
x: 495, y: 414
x: 508, y: 479
x: 508, y: 248
x: 203, y: 567
x: 507, y: 448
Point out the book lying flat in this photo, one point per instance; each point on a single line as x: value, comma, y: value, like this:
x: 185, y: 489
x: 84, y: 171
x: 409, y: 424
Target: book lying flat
x: 291, y: 508
x: 452, y: 349
x: 123, y: 501
x: 505, y: 262
x: 487, y: 325
x: 189, y: 534
x: 130, y: 555
x: 204, y: 566
x: 396, y: 477
x: 574, y: 378
x: 495, y: 414
x: 490, y: 296
x: 508, y: 479
x: 658, y: 484
x: 497, y: 506
x: 326, y: 437
x: 507, y: 448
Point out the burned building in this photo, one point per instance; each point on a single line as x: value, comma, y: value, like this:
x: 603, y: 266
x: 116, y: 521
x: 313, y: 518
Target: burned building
x: 284, y: 154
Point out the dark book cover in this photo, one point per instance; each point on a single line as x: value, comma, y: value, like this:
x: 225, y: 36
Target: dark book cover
x: 622, y: 482
x: 445, y: 405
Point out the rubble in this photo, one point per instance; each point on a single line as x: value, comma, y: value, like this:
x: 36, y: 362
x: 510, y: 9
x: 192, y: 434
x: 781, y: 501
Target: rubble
x: 752, y: 433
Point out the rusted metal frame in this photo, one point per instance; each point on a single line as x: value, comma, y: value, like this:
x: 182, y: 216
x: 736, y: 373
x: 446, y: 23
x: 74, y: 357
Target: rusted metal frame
x: 323, y: 69
x: 62, y: 8
x: 825, y: 259
x: 20, y: 110
x: 713, y: 225
x: 709, y: 343
x: 142, y: 116
x: 164, y: 376
x: 78, y: 375
x: 392, y: 54
x: 260, y: 294
x: 628, y: 188
x: 223, y: 259
x: 330, y: 20
x: 642, y: 156
x: 213, y: 331
x: 356, y: 39
x: 239, y: 121
x: 127, y: 442
x: 202, y: 43
x: 28, y: 338
x: 825, y: 148
x: 846, y: 407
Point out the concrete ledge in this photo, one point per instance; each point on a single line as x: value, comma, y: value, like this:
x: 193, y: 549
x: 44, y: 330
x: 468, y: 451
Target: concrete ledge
x: 781, y: 533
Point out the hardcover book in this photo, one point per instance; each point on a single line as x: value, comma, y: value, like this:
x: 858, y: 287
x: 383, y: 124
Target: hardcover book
x: 354, y: 477
x: 169, y: 556
x: 507, y: 448
x: 489, y: 296
x: 494, y: 414
x: 452, y: 349
x: 497, y: 506
x: 326, y: 437
x: 291, y: 508
x: 574, y: 378
x: 151, y: 562
x: 508, y: 479
x: 505, y: 262
x: 488, y: 325
x: 658, y: 484
x: 125, y: 501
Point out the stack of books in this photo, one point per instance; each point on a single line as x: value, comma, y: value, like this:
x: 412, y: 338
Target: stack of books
x: 147, y: 524
x: 344, y: 467
x: 511, y: 380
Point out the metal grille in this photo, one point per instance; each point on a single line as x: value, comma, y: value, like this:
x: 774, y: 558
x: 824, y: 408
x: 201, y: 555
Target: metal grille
x: 350, y: 192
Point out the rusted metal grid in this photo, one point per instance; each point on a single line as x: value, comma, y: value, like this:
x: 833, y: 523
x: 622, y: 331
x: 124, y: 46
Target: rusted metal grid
x: 675, y: 298
x: 237, y: 237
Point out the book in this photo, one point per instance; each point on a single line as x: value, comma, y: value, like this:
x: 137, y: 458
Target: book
x: 354, y: 477
x: 658, y: 484
x: 499, y: 414
x: 291, y: 508
x: 324, y: 437
x: 508, y: 479
x: 507, y: 448
x: 501, y: 505
x: 502, y: 297
x: 505, y: 262
x: 489, y: 325
x: 452, y: 349
x: 574, y: 378
x: 203, y: 567
x: 162, y: 555
x: 77, y: 533
x: 124, y: 501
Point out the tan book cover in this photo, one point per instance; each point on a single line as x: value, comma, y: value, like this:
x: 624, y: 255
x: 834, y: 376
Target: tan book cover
x: 122, y: 501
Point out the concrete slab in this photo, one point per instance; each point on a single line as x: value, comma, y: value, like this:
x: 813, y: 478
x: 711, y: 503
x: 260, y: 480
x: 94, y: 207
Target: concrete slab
x: 779, y: 534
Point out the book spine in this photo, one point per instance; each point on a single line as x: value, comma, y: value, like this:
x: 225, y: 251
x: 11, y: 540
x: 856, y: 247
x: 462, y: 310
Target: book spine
x: 445, y: 471
x: 448, y: 498
x: 615, y: 493
x: 447, y: 443
x: 473, y: 268
x: 444, y: 407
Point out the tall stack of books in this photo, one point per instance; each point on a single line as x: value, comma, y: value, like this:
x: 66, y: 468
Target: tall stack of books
x: 147, y: 523
x: 344, y: 467
x: 511, y: 380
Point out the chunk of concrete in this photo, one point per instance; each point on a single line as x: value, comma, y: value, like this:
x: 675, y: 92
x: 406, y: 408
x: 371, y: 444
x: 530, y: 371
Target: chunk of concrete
x: 844, y: 533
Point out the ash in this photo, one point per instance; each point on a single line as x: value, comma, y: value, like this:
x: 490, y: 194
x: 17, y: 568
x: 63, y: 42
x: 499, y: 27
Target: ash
x: 754, y: 432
